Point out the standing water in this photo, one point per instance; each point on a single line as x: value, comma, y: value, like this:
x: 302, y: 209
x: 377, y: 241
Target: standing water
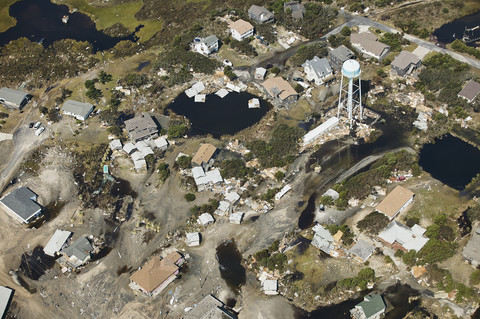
x: 231, y: 269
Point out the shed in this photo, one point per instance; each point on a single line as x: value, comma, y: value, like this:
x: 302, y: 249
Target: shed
x: 79, y: 110
x: 57, y: 242
x: 115, y: 145
x: 223, y: 208
x: 161, y: 143
x: 140, y: 165
x: 13, y: 98
x: 232, y: 197
x: 260, y: 73
x: 193, y: 239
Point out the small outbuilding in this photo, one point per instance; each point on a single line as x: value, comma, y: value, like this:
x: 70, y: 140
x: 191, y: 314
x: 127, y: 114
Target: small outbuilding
x: 57, y: 242
x: 206, y: 219
x: 270, y: 286
x: 115, y: 145
x: 260, y: 73
x: 79, y: 110
x: 193, y: 239
x: 236, y: 218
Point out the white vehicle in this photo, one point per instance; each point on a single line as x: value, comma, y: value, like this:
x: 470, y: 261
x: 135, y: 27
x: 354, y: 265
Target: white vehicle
x: 37, y: 125
x: 226, y: 62
x: 39, y: 131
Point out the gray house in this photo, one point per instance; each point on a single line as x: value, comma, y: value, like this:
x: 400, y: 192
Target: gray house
x: 77, y: 109
x: 22, y: 204
x: 209, y: 307
x: 372, y: 307
x: 141, y: 127
x: 77, y: 254
x: 405, y: 63
x: 339, y: 55
x: 318, y: 70
x: 13, y: 98
x: 471, y: 252
x: 297, y: 9
x: 368, y: 44
x: 260, y: 14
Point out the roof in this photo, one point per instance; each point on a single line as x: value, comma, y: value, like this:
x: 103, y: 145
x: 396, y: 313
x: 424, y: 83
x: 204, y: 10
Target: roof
x: 198, y: 87
x: 211, y: 39
x: 362, y: 250
x: 57, y: 241
x: 115, y: 144
x: 160, y: 142
x: 129, y: 147
x: 192, y: 237
x: 369, y: 42
x: 232, y: 197
x: 270, y: 284
x: 342, y: 53
x: 136, y: 156
x: 404, y: 59
x: 77, y: 108
x: 141, y: 126
x: 139, y: 164
x: 277, y: 86
x: 319, y: 130
x: 5, y: 296
x: 206, y: 218
x: 261, y: 12
x: 471, y: 251
x: 320, y: 67
x: 241, y: 26
x: 372, y: 304
x: 204, y: 154
x: 394, y: 201
x: 470, y: 90
x: 418, y: 271
x: 174, y: 256
x: 409, y: 238
x: 209, y: 308
x: 294, y: 6
x: 236, y: 217
x: 143, y: 147
x: 81, y: 248
x: 12, y: 96
x: 22, y: 202
x: 260, y: 71
x: 322, y: 239
x: 153, y: 273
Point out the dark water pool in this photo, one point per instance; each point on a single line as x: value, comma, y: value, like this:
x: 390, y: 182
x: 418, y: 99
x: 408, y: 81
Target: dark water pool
x: 41, y: 21
x: 308, y: 214
x: 219, y: 116
x: 448, y: 32
x: 231, y: 269
x: 451, y: 161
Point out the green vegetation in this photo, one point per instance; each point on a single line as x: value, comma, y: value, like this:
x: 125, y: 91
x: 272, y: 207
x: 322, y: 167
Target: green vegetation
x: 308, y: 51
x: 360, y: 185
x: 177, y: 130
x: 271, y: 258
x: 347, y: 236
x: 337, y: 40
x: 394, y: 40
x: 235, y: 168
x: 475, y: 277
x: 326, y: 200
x: 243, y: 47
x: 388, y: 259
x: 229, y: 72
x: 6, y: 21
x: 279, y: 175
x: 92, y: 92
x: 346, y: 31
x: 412, y: 27
x: 281, y: 148
x: 184, y: 161
x: 364, y: 277
x: 163, y: 171
x: 190, y: 197
x: 459, y: 46
x: 103, y: 77
x: 205, y: 208
x: 373, y: 223
x: 270, y: 194
x: 444, y: 281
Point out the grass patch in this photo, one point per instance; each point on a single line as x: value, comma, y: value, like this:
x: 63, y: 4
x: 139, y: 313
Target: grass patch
x: 6, y: 21
x: 106, y: 16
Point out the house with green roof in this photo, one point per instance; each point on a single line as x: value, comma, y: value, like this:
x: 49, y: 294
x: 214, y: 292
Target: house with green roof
x: 372, y: 307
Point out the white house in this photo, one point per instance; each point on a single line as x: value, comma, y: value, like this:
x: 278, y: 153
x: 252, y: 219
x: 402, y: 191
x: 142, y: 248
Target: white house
x: 318, y: 70
x: 79, y: 110
x: 206, y: 219
x: 236, y: 218
x: 270, y: 287
x: 193, y: 239
x: 206, y: 45
x: 57, y: 242
x: 241, y: 29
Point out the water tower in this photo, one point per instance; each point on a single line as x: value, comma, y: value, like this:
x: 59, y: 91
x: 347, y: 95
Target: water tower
x: 350, y: 96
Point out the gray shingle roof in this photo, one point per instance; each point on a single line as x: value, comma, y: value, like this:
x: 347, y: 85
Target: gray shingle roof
x: 209, y: 308
x: 211, y: 39
x: 77, y: 108
x: 362, y: 249
x: 141, y: 126
x: 472, y: 250
x: 81, y: 248
x: 404, y: 59
x: 342, y: 53
x: 470, y: 90
x: 260, y: 13
x: 22, y: 202
x: 320, y: 66
x: 12, y: 96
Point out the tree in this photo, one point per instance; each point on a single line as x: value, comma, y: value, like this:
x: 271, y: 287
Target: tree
x: 279, y: 175
x: 326, y: 200
x: 184, y: 161
x: 275, y: 70
x: 104, y: 77
x: 177, y: 130
x: 163, y: 171
x: 409, y: 258
x: 373, y: 223
x: 346, y: 31
x: 189, y: 197
x: 53, y: 115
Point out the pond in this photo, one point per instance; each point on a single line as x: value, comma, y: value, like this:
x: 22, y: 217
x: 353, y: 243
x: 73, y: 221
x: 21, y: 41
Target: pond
x: 219, y: 116
x: 451, y: 161
x: 41, y: 21
x: 231, y: 269
x: 448, y: 32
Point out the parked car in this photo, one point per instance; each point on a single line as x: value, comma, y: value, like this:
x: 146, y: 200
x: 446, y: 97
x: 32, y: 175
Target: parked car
x: 31, y: 124
x: 226, y: 62
x: 298, y: 79
x: 39, y: 131
x: 37, y: 125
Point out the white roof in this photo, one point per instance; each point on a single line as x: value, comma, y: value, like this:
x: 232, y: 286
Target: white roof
x: 137, y: 156
x: 222, y: 93
x: 261, y: 72
x: 198, y: 172
x: 129, y: 147
x: 191, y: 92
x: 283, y: 191
x: 409, y: 238
x: 201, y: 177
x: 199, y: 87
x: 57, y: 241
x: 223, y: 206
x: 319, y: 130
x: 232, y: 197
x: 233, y: 87
x: 206, y: 219
x: 193, y: 237
x: 270, y: 285
x: 115, y: 145
x: 143, y: 147
x: 160, y: 142
x: 332, y: 193
x: 140, y: 164
x: 200, y: 98
x: 323, y: 239
x: 236, y: 218
x: 5, y: 295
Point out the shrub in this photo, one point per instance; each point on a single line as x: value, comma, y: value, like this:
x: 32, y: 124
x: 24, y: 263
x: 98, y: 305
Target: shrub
x: 475, y: 277
x: 346, y: 31
x: 235, y: 168
x: 177, y: 130
x: 279, y: 175
x: 190, y: 197
x: 184, y: 161
x: 275, y: 70
x: 373, y: 223
x: 326, y: 200
x: 163, y: 171
x: 104, y: 77
x: 308, y: 51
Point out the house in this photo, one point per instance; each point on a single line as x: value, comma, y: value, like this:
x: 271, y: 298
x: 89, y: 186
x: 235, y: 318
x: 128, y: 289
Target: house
x: 143, y: 147
x: 362, y: 250
x: 206, y: 219
x: 470, y: 91
x: 339, y: 55
x: 312, y: 135
x: 398, y: 236
x: 6, y: 296
x: 57, y: 242
x: 161, y: 143
x: 241, y: 29
x: 260, y: 73
x: 21, y: 204
x: 140, y: 165
x: 77, y: 254
x: 79, y: 110
x: 206, y: 45
x: 14, y: 99
x: 405, y: 63
x: 318, y: 70
x: 270, y: 286
x: 297, y: 9
x: 232, y: 197
x: 223, y: 208
x: 471, y: 251
x: 236, y: 218
x: 115, y: 145
x: 156, y: 274
x: 204, y: 156
x: 129, y: 148
x: 368, y: 44
x: 372, y: 307
x: 141, y: 127
x: 193, y: 239
x: 285, y: 189
x: 209, y: 308
x: 260, y: 14
x: 324, y: 241
x: 395, y: 202
x: 203, y: 178
x: 280, y: 90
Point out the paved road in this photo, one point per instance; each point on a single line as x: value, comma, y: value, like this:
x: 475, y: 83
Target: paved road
x: 359, y: 20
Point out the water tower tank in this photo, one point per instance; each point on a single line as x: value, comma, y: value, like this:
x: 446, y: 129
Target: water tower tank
x: 351, y: 69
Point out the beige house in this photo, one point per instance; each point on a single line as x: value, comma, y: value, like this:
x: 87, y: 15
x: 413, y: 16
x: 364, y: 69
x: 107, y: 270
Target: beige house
x: 204, y: 155
x: 241, y: 29
x: 395, y: 202
x: 280, y: 89
x: 368, y: 44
